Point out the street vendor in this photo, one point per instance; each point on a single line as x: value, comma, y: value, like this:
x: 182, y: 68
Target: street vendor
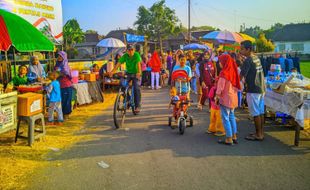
x: 36, y: 72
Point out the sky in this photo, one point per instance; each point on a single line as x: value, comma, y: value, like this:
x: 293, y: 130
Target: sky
x: 106, y: 15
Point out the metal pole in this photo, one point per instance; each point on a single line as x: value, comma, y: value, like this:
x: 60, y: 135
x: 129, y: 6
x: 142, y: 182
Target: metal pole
x: 189, y: 21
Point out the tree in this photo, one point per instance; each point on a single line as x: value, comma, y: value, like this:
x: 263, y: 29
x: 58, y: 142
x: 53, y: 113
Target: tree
x: 252, y: 31
x: 264, y: 45
x: 274, y: 29
x: 203, y: 28
x: 72, y: 33
x: 91, y: 32
x: 159, y: 21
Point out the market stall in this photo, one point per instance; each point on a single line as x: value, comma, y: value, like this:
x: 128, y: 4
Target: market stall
x: 17, y: 37
x: 289, y: 93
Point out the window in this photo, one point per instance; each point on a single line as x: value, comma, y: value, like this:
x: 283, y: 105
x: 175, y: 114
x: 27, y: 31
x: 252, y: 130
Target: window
x: 298, y: 47
x: 281, y: 47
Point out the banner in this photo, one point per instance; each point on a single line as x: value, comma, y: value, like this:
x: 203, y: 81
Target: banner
x: 130, y: 38
x: 45, y: 15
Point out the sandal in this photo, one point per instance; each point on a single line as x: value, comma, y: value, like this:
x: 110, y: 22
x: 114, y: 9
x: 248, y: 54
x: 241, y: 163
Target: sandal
x: 253, y: 138
x: 235, y: 141
x: 222, y: 141
x: 209, y: 132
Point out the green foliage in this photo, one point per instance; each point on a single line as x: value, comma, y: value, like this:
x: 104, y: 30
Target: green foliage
x: 274, y: 29
x: 264, y: 45
x: 72, y: 52
x: 252, y: 31
x: 72, y: 33
x: 158, y: 21
x: 91, y: 32
x: 203, y: 28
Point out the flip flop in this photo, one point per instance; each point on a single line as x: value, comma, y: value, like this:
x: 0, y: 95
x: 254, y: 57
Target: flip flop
x: 221, y: 141
x: 253, y: 138
x: 210, y: 132
x: 235, y: 141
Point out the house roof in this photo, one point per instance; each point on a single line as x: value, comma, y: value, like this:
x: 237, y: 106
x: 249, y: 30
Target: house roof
x: 84, y: 44
x: 293, y: 32
x: 92, y: 37
x: 181, y: 36
x: 199, y: 34
x: 119, y: 34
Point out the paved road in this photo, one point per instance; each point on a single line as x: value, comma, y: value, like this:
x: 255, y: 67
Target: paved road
x: 147, y: 154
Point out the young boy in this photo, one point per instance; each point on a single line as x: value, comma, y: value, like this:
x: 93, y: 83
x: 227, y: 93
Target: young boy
x: 54, y: 95
x: 216, y: 125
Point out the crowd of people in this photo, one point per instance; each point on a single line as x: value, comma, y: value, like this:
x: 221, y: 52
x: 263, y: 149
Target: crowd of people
x: 218, y: 79
x: 59, y: 90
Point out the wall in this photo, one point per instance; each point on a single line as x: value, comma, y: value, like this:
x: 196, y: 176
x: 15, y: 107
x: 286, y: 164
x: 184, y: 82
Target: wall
x: 288, y: 46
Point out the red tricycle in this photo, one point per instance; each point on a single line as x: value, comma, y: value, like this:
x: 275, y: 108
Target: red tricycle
x: 180, y: 100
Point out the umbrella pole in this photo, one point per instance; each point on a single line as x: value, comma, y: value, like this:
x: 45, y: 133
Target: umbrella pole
x: 6, y: 55
x: 14, y: 58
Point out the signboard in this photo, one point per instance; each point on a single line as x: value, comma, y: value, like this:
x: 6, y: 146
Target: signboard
x: 46, y: 15
x: 131, y: 38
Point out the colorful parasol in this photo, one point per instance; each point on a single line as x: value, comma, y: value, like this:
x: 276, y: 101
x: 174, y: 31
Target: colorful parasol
x: 18, y: 32
x: 223, y: 37
x: 247, y: 37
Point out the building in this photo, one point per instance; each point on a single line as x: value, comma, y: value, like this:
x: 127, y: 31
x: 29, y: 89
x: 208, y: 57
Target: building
x: 120, y: 34
x: 293, y: 37
x: 88, y: 48
x: 176, y: 42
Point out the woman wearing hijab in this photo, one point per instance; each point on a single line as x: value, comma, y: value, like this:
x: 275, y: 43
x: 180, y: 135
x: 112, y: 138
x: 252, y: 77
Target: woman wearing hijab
x: 155, y: 65
x: 207, y: 70
x: 62, y: 66
x: 36, y: 71
x: 227, y: 96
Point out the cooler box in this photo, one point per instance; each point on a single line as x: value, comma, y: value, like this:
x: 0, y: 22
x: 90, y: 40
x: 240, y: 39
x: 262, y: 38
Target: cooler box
x: 90, y: 77
x: 29, y: 104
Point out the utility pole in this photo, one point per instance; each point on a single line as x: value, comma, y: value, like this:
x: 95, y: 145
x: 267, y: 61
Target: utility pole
x: 189, y: 21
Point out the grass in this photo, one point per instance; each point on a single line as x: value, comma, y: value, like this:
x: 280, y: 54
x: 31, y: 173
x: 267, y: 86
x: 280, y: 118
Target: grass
x: 18, y: 161
x: 305, y: 68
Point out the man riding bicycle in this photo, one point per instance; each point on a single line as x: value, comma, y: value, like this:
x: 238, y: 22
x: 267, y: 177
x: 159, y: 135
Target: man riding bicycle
x: 133, y: 71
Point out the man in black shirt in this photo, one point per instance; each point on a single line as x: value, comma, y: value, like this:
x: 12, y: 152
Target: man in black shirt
x: 252, y: 72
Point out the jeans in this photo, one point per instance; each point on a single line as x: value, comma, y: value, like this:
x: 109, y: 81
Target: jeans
x: 55, y: 106
x: 137, y: 91
x: 66, y: 98
x: 155, y: 78
x: 194, y: 84
x: 229, y: 121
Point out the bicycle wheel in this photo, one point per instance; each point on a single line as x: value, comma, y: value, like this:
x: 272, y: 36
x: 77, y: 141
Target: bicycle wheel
x: 119, y: 110
x: 182, y: 126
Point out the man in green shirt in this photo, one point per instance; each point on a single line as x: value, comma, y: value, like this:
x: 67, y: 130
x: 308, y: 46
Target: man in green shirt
x: 132, y: 60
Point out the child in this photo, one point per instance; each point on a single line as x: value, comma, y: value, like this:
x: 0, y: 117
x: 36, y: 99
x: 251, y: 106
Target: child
x: 216, y: 125
x: 20, y: 79
x: 54, y: 95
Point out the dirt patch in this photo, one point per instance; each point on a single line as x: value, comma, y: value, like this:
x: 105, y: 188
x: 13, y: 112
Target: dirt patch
x: 17, y: 160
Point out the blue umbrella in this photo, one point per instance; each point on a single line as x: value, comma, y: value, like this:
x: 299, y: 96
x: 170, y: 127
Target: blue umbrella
x: 195, y: 46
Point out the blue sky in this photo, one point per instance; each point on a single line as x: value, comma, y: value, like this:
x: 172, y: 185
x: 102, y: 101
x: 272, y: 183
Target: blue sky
x: 106, y: 15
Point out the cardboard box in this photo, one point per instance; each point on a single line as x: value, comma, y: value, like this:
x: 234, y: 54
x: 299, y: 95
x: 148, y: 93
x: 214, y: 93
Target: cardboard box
x: 90, y: 77
x: 29, y: 104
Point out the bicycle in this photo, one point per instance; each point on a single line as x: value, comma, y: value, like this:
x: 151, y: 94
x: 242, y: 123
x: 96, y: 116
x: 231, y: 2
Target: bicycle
x: 123, y: 102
